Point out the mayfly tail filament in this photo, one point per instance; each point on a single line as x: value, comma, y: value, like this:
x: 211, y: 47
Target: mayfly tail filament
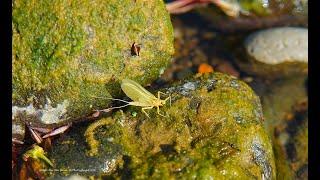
x: 111, y: 108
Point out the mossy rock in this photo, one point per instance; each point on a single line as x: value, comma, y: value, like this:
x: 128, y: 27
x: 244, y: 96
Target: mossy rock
x: 66, y: 52
x: 213, y: 129
x: 69, y: 155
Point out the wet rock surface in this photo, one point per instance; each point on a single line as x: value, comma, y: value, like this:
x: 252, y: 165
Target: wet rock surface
x: 285, y: 108
x: 232, y: 16
x: 69, y: 156
x: 66, y: 52
x: 213, y: 129
x: 195, y: 45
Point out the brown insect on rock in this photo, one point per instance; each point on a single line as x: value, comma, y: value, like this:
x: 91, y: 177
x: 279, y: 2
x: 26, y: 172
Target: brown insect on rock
x: 135, y: 49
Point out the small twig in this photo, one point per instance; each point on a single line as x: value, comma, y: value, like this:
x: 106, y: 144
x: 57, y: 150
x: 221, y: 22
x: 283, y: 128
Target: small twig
x: 182, y: 6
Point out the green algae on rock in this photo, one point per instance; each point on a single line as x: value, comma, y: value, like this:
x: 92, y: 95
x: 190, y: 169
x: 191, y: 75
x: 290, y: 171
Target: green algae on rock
x: 213, y: 130
x: 69, y: 155
x: 66, y: 52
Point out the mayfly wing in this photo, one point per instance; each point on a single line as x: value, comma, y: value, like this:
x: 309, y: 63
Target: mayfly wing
x: 136, y: 92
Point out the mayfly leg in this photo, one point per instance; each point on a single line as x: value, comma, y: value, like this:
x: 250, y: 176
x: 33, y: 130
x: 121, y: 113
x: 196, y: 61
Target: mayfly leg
x: 158, y: 110
x: 168, y: 98
x: 143, y: 110
x: 159, y: 93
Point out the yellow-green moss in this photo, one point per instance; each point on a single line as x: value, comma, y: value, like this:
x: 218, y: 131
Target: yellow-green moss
x: 213, y: 130
x: 76, y: 50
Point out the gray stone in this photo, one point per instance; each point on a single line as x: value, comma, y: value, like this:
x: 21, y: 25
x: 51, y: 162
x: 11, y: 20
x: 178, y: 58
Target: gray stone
x: 278, y: 45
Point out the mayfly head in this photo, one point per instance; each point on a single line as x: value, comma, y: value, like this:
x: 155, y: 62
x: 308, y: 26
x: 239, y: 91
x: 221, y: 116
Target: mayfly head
x: 159, y: 102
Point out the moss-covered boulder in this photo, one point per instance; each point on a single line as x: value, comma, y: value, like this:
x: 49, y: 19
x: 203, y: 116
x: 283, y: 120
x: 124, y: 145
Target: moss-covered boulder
x: 65, y: 52
x: 211, y: 130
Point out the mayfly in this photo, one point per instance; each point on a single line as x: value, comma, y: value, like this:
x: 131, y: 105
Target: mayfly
x: 140, y: 96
